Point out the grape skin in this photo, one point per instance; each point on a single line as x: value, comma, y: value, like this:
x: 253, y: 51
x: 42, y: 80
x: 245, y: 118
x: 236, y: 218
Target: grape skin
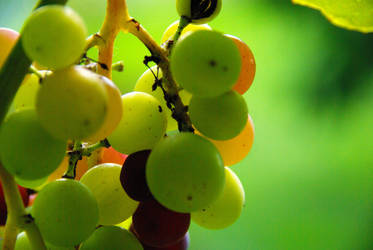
x: 171, y: 30
x: 143, y: 124
x: 206, y: 63
x: 113, y: 203
x: 41, y: 153
x: 220, y: 118
x: 65, y: 212
x: 72, y: 103
x: 248, y: 67
x: 185, y: 172
x: 111, y: 238
x: 227, y: 208
x: 54, y: 36
x: 8, y: 38
x: 145, y: 84
x: 192, y: 9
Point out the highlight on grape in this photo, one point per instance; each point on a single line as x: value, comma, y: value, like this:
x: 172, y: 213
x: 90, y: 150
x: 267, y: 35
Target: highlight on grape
x: 114, y: 170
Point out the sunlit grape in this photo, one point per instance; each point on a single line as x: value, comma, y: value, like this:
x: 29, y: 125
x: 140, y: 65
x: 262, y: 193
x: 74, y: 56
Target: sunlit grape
x: 72, y: 103
x: 65, y: 212
x: 185, y: 172
x: 114, y: 111
x: 206, y: 63
x: 226, y: 209
x: 54, y: 36
x: 145, y: 84
x: 114, y: 204
x: 142, y: 125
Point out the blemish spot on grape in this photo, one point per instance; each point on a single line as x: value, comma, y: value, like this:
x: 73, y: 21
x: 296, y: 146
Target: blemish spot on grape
x: 160, y: 109
x: 212, y: 63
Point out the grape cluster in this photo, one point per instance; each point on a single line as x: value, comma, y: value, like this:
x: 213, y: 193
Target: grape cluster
x: 144, y: 190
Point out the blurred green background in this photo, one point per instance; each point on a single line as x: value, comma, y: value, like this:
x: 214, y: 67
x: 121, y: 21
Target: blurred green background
x: 309, y: 177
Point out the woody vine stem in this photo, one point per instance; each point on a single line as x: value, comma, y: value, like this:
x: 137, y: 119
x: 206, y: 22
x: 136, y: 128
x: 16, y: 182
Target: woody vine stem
x: 17, y: 66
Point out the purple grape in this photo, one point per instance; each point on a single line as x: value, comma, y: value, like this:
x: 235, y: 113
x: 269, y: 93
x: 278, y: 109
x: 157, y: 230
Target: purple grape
x: 132, y: 176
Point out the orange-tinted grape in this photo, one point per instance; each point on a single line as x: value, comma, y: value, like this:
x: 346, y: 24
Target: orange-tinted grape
x: 113, y: 113
x: 8, y: 38
x: 110, y: 155
x: 248, y: 67
x: 236, y: 149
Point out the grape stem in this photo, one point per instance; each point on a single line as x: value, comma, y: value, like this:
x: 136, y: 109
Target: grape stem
x: 17, y: 216
x: 179, y: 112
x: 184, y: 21
x: 79, y: 150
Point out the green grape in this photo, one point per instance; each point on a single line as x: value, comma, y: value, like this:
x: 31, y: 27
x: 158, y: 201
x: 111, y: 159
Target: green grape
x: 111, y: 237
x: 27, y: 151
x: 72, y: 103
x: 114, y: 205
x: 23, y: 243
x: 8, y: 38
x: 33, y: 184
x: 206, y: 63
x: 199, y: 11
x: 65, y: 212
x: 145, y: 84
x: 226, y: 209
x: 220, y: 118
x: 54, y: 36
x: 26, y: 94
x: 171, y: 30
x: 185, y: 172
x: 143, y: 124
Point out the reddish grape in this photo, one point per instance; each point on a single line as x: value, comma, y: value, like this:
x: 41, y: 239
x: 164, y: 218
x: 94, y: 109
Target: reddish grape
x: 3, y: 209
x: 132, y: 176
x: 158, y: 226
x: 182, y: 244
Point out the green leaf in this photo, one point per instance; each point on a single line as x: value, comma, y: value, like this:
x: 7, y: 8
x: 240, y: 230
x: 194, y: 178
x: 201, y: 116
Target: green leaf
x: 349, y: 14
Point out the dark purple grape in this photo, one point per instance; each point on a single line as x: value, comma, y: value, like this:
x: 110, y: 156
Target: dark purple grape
x: 182, y: 244
x: 132, y: 176
x: 157, y: 226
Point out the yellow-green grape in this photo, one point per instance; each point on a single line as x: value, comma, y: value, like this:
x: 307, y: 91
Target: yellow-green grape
x: 114, y: 111
x: 33, y: 184
x: 23, y: 243
x: 185, y: 172
x: 114, y: 205
x: 27, y: 151
x: 220, y: 118
x: 145, y: 84
x: 54, y: 36
x: 126, y: 224
x: 199, y: 11
x: 72, y: 103
x: 111, y: 238
x: 171, y: 30
x: 26, y: 93
x: 226, y: 209
x: 143, y: 123
x: 234, y: 150
x: 65, y: 212
x: 8, y: 38
x: 206, y: 63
